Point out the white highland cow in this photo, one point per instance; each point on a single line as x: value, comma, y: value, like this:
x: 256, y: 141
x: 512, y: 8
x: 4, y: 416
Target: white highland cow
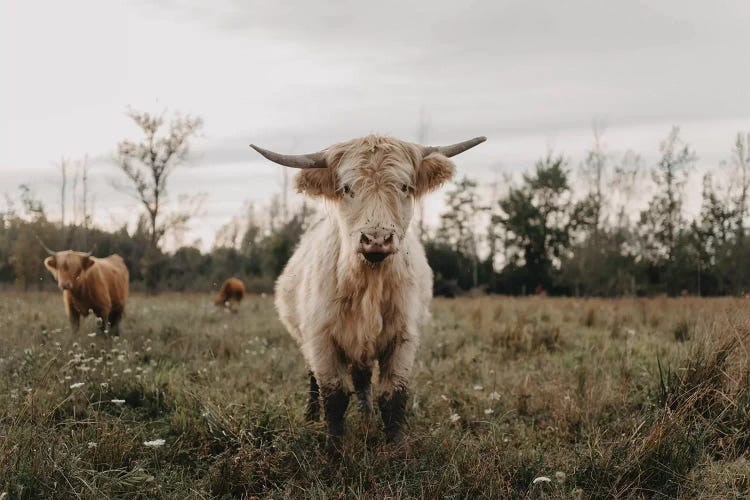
x: 358, y: 287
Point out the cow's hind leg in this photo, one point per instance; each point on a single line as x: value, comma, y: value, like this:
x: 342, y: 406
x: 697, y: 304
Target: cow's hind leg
x: 313, y: 402
x: 395, y: 367
x: 362, y: 379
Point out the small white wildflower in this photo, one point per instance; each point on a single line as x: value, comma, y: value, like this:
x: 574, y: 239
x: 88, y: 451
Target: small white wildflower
x: 76, y: 385
x: 127, y: 370
x: 478, y: 387
x: 155, y: 443
x: 442, y: 396
x: 541, y: 479
x: 455, y: 417
x: 104, y: 385
x: 630, y: 332
x: 494, y: 395
x: 489, y: 411
x: 91, y: 444
x: 560, y: 476
x: 92, y: 334
x: 68, y: 377
x: 75, y: 345
x: 117, y: 401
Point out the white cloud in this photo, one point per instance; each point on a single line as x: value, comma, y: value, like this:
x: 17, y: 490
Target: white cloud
x: 297, y: 76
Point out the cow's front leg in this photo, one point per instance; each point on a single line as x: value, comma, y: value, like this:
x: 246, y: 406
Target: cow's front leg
x: 335, y: 401
x: 313, y: 401
x: 75, y: 320
x: 115, y: 316
x: 103, y: 317
x: 362, y: 380
x: 330, y: 371
x: 395, y: 365
x: 73, y: 315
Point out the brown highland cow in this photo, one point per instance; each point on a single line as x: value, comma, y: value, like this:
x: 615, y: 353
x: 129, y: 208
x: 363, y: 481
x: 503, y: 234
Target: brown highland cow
x: 90, y: 284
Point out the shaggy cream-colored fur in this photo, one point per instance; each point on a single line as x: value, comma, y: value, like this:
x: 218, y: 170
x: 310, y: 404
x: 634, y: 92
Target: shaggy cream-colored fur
x: 342, y: 310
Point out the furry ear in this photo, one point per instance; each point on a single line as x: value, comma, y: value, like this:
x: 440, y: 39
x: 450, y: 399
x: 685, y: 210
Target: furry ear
x: 87, y: 262
x: 434, y: 171
x: 51, y: 264
x: 317, y: 182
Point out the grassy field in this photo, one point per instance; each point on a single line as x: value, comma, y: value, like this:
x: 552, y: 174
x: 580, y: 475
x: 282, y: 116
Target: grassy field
x: 628, y: 397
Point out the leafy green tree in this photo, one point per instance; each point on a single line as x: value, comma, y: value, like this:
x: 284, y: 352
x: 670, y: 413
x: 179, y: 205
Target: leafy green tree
x: 537, y: 219
x: 741, y: 164
x: 663, y: 220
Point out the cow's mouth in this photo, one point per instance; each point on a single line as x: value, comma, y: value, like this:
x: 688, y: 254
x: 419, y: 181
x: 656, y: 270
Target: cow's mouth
x: 375, y: 257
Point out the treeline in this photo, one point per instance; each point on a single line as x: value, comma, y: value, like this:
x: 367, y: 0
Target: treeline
x: 544, y: 236
x: 257, y: 256
x: 559, y: 229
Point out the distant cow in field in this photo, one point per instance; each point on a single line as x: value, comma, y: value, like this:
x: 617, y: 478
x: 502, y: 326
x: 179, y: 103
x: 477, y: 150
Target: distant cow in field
x: 90, y: 283
x: 231, y: 294
x: 358, y: 286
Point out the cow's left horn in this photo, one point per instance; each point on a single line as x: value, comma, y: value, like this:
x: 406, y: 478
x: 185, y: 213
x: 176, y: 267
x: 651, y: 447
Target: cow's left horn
x: 46, y: 248
x: 453, y: 149
x: 310, y: 160
x: 93, y: 249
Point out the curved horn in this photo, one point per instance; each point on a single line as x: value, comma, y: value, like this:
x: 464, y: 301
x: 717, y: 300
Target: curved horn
x: 44, y: 246
x: 453, y: 149
x: 310, y: 160
x: 93, y: 249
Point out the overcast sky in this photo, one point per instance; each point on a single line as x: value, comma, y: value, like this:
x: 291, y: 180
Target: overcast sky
x: 298, y: 76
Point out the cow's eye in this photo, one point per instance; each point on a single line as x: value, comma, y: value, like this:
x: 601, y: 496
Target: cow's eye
x: 347, y: 189
x: 404, y: 188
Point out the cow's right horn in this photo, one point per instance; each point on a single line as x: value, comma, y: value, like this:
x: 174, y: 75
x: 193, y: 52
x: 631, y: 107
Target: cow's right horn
x: 310, y: 160
x: 44, y: 246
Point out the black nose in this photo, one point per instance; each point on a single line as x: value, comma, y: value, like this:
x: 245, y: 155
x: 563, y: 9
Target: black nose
x: 375, y: 257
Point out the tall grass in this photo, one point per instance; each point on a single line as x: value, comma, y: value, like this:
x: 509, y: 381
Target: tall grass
x: 601, y: 397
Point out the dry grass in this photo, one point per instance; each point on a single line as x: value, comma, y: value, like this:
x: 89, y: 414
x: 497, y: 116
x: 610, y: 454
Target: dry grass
x: 627, y: 397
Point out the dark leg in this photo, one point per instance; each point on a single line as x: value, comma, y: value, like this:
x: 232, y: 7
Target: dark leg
x: 114, y: 322
x: 313, y: 403
x: 392, y: 409
x: 335, y: 401
x: 75, y: 320
x: 104, y: 317
x: 362, y: 379
x: 394, y: 367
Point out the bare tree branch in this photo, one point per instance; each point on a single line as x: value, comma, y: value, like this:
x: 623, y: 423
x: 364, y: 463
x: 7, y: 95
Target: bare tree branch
x: 148, y: 165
